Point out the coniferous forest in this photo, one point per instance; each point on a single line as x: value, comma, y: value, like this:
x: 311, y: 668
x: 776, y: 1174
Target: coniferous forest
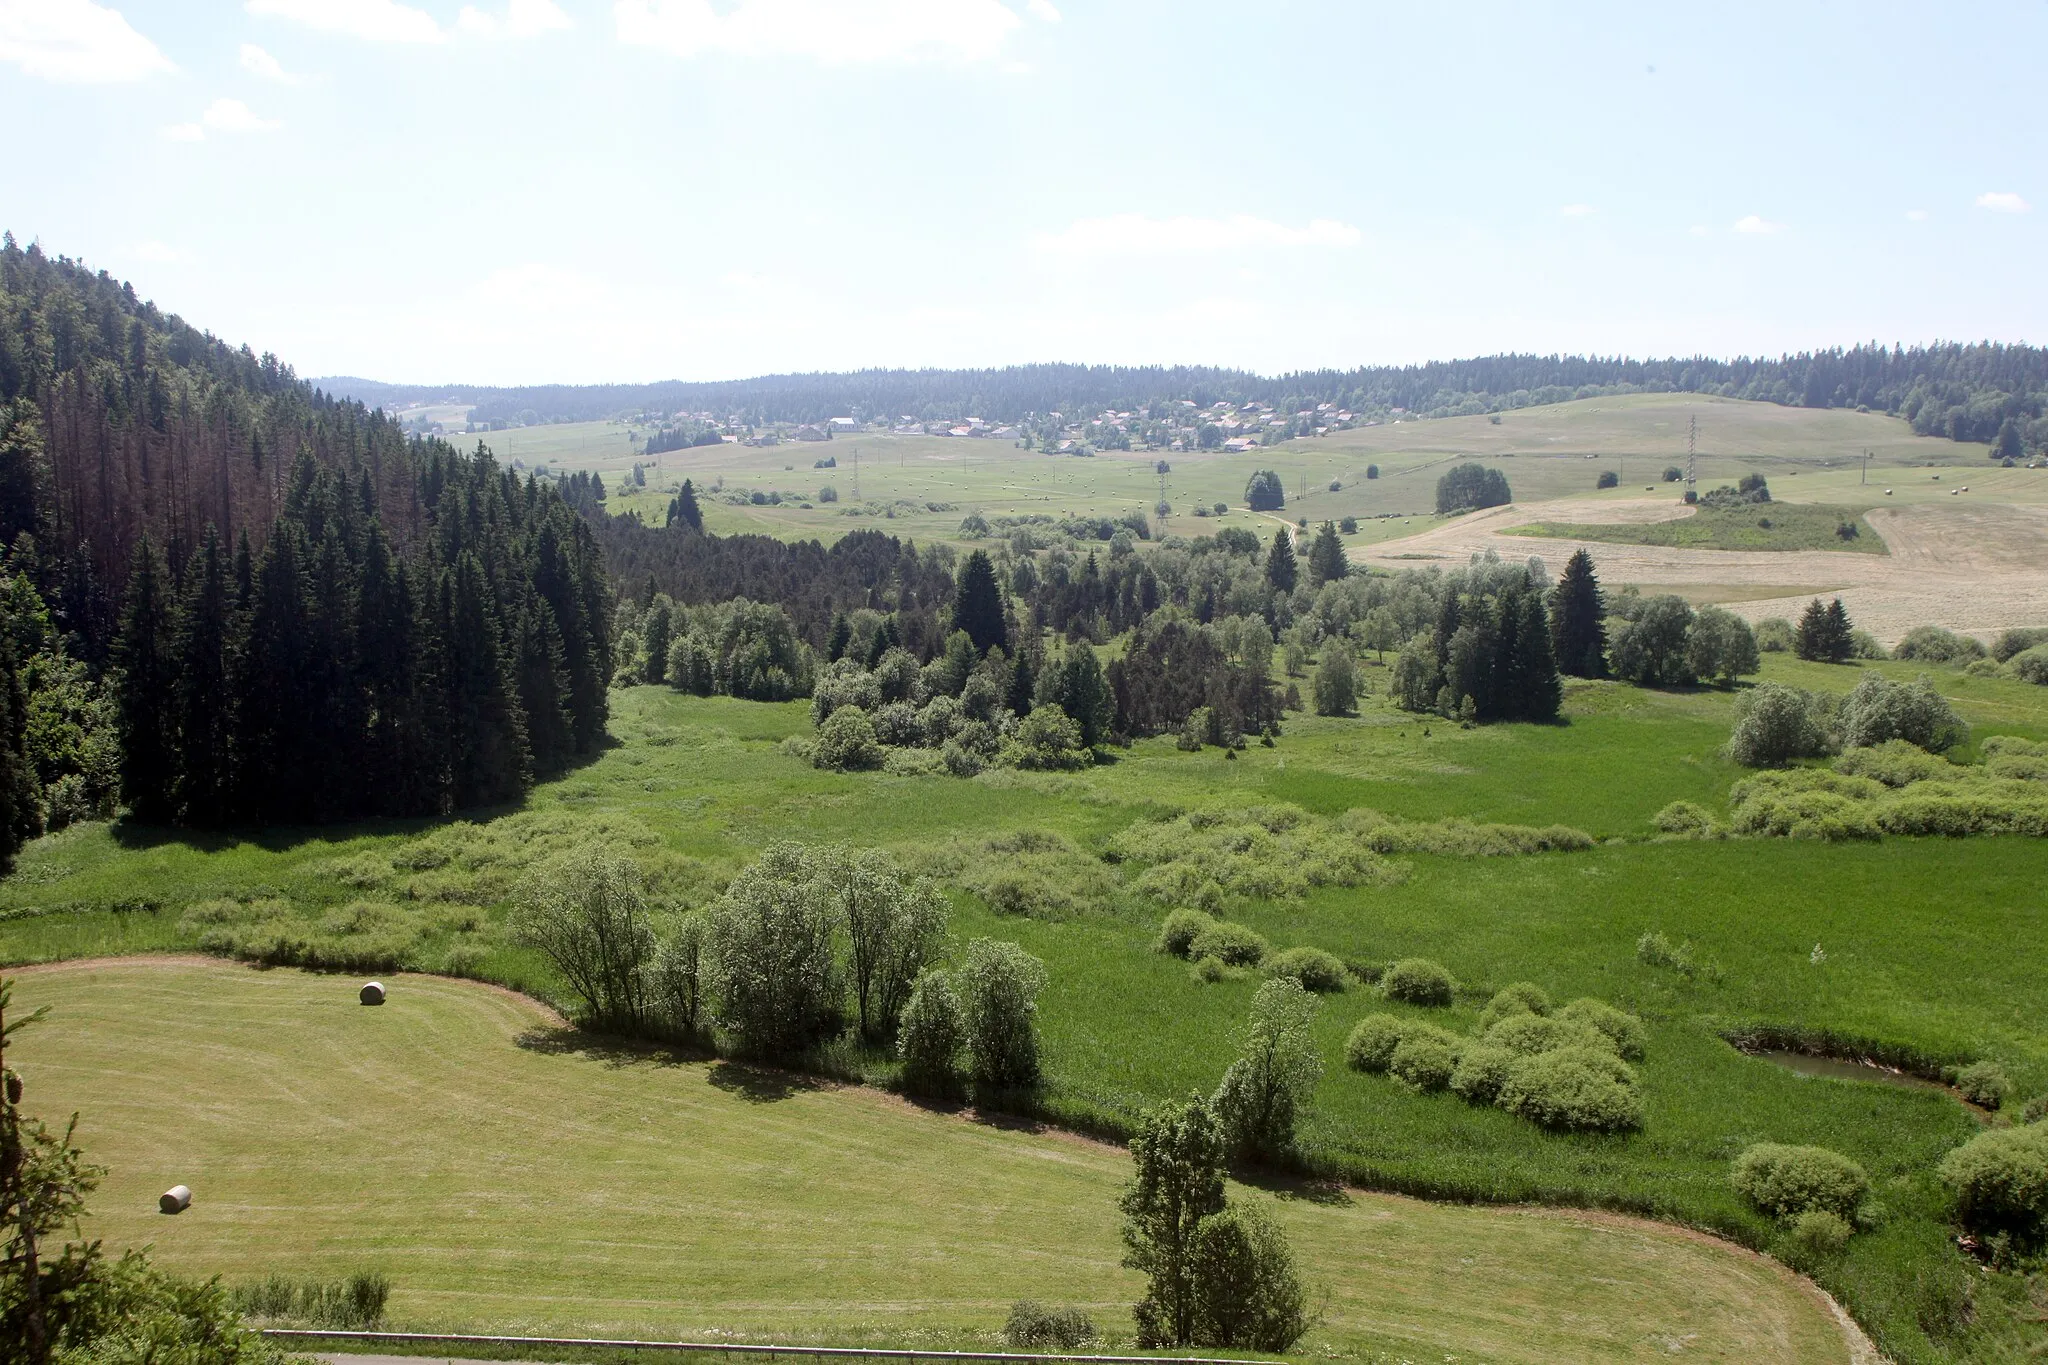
x: 231, y: 599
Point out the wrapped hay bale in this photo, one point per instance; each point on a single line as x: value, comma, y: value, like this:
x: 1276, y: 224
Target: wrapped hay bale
x: 372, y: 993
x: 176, y: 1199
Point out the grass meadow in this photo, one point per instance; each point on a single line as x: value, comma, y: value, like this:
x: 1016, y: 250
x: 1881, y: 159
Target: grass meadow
x: 1771, y: 526
x: 1928, y: 948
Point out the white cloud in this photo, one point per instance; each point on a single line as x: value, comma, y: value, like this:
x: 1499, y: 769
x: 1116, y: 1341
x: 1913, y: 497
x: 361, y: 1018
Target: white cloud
x: 2002, y: 201
x: 830, y: 31
x: 257, y: 62
x: 75, y: 41
x: 158, y: 253
x: 1916, y: 215
x: 534, y: 288
x: 379, y: 21
x: 1578, y: 210
x: 1755, y: 226
x: 1133, y: 233
x: 222, y: 116
x: 1042, y: 9
x: 522, y: 19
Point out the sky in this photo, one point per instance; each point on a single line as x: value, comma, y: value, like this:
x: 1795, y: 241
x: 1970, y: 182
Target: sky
x: 583, y: 191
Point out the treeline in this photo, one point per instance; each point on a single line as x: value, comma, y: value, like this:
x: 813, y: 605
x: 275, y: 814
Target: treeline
x: 682, y: 437
x: 231, y: 598
x: 1967, y: 392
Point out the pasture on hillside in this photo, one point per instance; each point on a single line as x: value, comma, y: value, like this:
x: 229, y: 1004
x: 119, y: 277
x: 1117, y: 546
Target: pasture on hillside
x: 1928, y: 949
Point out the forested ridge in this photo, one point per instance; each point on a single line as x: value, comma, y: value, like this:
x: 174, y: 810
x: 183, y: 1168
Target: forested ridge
x: 233, y: 599
x: 1963, y: 391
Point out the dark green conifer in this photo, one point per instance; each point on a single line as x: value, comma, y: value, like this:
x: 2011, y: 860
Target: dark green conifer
x: 487, y: 728
x: 144, y: 691
x: 1327, y: 561
x: 1578, y: 622
x: 978, y: 605
x: 1281, y: 569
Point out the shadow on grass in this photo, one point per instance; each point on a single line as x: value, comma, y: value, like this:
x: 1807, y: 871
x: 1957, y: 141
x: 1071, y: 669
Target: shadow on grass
x: 764, y: 1085
x: 1307, y: 1189
x: 611, y: 1049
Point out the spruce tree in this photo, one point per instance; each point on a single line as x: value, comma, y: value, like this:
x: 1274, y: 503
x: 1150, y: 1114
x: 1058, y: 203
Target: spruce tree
x: 273, y: 700
x: 203, y: 705
x: 384, y: 628
x: 544, y: 687
x: 487, y: 727
x: 1023, y: 682
x: 1281, y: 569
x: 1084, y: 695
x: 1327, y: 561
x: 1578, y: 623
x: 1824, y: 634
x: 841, y: 637
x: 978, y: 605
x: 685, y: 509
x: 20, y: 793
x: 144, y: 691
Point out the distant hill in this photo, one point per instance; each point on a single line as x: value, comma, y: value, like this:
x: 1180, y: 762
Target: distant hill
x: 1985, y: 392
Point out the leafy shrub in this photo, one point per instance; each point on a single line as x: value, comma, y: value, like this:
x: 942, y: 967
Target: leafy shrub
x: 1230, y: 943
x: 1372, y: 1042
x: 2036, y: 1109
x: 1417, y: 981
x: 898, y: 725
x: 676, y: 979
x: 847, y: 741
x: 1529, y: 1034
x: 1655, y: 950
x: 1895, y: 763
x: 1685, y: 820
x: 1248, y: 1294
x: 1210, y: 970
x: 2012, y: 643
x: 2000, y: 1182
x: 1459, y: 838
x: 1774, y: 635
x: 1983, y: 1084
x: 1624, y: 1030
x: 1574, y: 1089
x: 1878, y: 709
x: 1426, y: 1057
x: 1046, y: 740
x: 999, y: 986
x: 1820, y: 1233
x: 1940, y: 646
x: 1264, y: 852
x: 1775, y: 724
x: 1482, y: 1071
x: 586, y: 912
x: 773, y: 974
x: 1177, y: 935
x: 1315, y: 969
x: 2031, y: 665
x: 1805, y: 804
x: 1784, y: 1181
x: 1521, y: 997
x: 930, y: 1036
x: 1037, y: 1325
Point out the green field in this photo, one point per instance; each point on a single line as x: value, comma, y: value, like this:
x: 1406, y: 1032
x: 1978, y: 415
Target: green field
x: 1933, y: 947
x: 1812, y: 455
x: 1769, y: 526
x: 509, y: 1177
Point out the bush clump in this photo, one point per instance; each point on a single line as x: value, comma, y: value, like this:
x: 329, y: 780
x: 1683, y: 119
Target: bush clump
x: 1685, y: 820
x: 1520, y: 997
x: 1417, y: 981
x: 1820, y: 1233
x: 2000, y: 1182
x: 1895, y: 763
x: 1624, y: 1030
x: 1037, y: 1325
x: 1878, y: 709
x: 1315, y: 969
x: 1526, y: 1035
x: 1936, y: 645
x: 1775, y: 724
x: 1482, y: 1071
x: 1653, y: 949
x: 1180, y: 930
x: 1784, y: 1181
x: 847, y: 741
x: 1574, y: 1089
x: 1983, y: 1084
x: 1372, y: 1042
x: 1231, y: 943
x: 1426, y: 1057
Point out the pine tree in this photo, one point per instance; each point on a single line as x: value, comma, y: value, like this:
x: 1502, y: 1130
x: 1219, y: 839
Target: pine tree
x: 978, y: 605
x: 20, y: 793
x: 1824, y: 633
x: 384, y: 629
x: 841, y: 637
x: 144, y: 691
x: 544, y: 687
x: 1578, y: 627
x: 273, y: 700
x: 1841, y: 636
x: 1023, y: 682
x: 1532, y: 690
x: 203, y: 704
x: 1327, y: 561
x: 683, y: 509
x: 1281, y: 569
x: 487, y: 728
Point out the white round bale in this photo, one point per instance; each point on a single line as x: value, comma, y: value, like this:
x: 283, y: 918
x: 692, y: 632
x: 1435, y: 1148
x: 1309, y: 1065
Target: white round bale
x: 176, y: 1199
x: 372, y: 993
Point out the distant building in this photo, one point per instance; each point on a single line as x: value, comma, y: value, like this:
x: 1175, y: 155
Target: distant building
x: 810, y: 433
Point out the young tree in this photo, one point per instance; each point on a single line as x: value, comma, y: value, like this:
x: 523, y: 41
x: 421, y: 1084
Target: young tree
x: 1082, y: 693
x: 774, y: 977
x: 1578, y: 620
x: 1177, y: 1181
x: 999, y: 986
x: 1721, y: 645
x: 1248, y: 1294
x: 145, y: 689
x: 1267, y: 1087
x: 675, y: 980
x: 587, y: 914
x: 1336, y: 684
x: 894, y: 931
x: 1327, y: 561
x: 1264, y: 492
x: 978, y: 605
x: 657, y: 630
x: 931, y: 1036
x: 1282, y: 571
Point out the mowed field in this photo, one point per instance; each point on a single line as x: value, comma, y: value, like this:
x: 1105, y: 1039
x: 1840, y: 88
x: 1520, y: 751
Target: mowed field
x: 510, y: 1177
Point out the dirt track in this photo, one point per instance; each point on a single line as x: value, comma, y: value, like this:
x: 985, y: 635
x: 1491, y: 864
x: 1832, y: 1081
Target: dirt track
x: 1977, y: 569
